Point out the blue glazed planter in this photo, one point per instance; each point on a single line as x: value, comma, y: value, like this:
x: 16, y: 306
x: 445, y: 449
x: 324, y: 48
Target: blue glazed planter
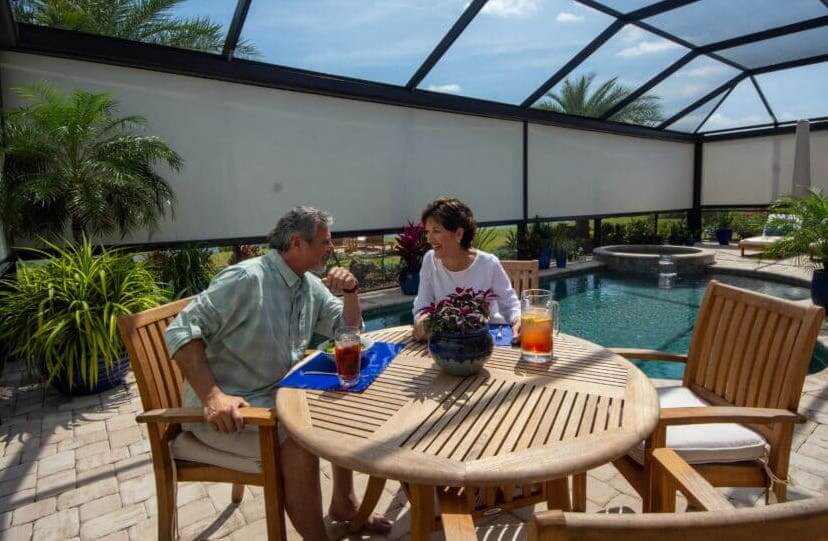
x: 461, y: 354
x: 545, y: 257
x: 105, y: 381
x: 819, y: 288
x: 560, y: 260
x: 410, y: 282
x: 724, y: 236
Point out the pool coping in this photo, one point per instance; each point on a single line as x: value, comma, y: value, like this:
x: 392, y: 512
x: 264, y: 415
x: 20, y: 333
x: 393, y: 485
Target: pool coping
x: 392, y: 297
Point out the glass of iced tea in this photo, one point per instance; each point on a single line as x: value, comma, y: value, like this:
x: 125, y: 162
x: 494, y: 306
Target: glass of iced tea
x: 347, y: 355
x: 539, y: 322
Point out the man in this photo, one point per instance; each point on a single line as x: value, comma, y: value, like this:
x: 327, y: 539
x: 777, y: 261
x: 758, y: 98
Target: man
x: 239, y: 337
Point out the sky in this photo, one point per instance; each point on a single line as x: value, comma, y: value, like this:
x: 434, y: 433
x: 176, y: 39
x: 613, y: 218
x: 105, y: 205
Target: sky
x: 513, y: 46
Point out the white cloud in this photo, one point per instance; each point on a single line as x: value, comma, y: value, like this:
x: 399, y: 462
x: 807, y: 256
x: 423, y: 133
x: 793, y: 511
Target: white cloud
x: 719, y: 121
x: 631, y: 34
x: 510, y: 8
x: 705, y: 71
x: 566, y: 17
x: 451, y: 88
x: 647, y: 47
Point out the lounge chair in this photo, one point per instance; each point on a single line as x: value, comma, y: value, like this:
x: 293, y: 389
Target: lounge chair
x: 771, y: 233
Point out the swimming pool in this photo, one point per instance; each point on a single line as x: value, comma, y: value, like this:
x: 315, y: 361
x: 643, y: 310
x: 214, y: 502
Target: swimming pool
x: 621, y: 310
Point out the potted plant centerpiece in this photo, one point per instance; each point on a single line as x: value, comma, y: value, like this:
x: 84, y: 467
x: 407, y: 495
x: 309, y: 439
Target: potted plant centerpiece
x: 458, y: 328
x: 411, y: 246
x: 60, y: 316
x: 804, y: 223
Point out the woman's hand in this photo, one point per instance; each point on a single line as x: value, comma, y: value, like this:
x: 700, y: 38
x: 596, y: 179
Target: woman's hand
x: 516, y: 332
x: 419, y: 331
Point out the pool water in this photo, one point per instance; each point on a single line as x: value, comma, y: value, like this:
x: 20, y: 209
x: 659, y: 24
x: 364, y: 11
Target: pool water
x: 619, y: 310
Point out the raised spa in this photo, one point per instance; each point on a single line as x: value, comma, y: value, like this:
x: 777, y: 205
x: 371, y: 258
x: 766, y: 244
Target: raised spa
x: 643, y: 258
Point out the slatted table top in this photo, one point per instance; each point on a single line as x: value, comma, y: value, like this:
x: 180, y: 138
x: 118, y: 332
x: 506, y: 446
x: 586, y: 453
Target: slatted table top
x: 514, y: 422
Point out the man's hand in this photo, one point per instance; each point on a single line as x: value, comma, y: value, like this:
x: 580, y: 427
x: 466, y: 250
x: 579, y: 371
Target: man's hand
x: 516, y: 332
x: 339, y: 279
x: 222, y: 412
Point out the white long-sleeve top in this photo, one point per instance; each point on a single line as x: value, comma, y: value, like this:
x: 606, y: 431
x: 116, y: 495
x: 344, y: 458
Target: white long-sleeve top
x: 485, y: 272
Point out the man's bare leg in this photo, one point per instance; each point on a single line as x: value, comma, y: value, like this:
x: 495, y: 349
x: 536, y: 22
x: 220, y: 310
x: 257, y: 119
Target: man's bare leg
x: 303, y: 493
x: 344, y: 502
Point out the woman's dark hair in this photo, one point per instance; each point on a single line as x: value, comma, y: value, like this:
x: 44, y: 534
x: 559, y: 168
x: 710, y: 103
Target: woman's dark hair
x: 452, y: 213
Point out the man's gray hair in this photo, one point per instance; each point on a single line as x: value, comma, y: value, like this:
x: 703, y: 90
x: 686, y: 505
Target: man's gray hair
x: 304, y: 221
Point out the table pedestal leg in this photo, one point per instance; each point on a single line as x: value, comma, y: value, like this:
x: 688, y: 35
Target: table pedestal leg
x: 422, y: 511
x: 557, y: 495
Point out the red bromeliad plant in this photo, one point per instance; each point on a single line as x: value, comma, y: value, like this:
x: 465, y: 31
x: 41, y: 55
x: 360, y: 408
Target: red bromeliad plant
x: 411, y: 247
x: 463, y: 311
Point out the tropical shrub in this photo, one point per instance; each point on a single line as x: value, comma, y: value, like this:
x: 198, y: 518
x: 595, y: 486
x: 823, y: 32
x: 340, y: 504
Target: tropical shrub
x: 185, y: 272
x: 485, y: 239
x: 749, y: 224
x: 63, y: 314
x: 642, y: 231
x: 245, y: 251
x: 805, y: 220
x: 411, y: 246
x: 68, y: 161
x: 613, y: 233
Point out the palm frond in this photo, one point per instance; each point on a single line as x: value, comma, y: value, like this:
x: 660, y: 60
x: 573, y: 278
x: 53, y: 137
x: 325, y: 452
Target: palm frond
x: 575, y: 98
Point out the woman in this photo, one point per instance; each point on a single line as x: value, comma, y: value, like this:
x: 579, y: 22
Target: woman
x: 452, y: 263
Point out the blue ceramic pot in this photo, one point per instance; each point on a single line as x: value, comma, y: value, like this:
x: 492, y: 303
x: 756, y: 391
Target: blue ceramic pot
x: 560, y: 260
x: 106, y: 381
x: 724, y: 236
x: 410, y: 282
x: 819, y: 288
x: 545, y: 256
x: 461, y: 354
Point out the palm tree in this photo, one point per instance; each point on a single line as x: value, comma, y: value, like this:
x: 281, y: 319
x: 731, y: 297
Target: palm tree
x: 574, y: 98
x: 67, y: 160
x: 150, y: 21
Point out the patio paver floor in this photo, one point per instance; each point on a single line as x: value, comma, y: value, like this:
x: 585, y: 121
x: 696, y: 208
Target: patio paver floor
x: 81, y: 468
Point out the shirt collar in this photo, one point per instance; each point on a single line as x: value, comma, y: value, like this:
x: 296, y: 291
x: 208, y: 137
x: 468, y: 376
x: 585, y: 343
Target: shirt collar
x: 276, y: 260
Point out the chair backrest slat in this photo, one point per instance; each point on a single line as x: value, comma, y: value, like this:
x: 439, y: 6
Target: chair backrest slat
x: 523, y: 274
x: 751, y: 349
x: 739, y: 357
x: 159, y: 379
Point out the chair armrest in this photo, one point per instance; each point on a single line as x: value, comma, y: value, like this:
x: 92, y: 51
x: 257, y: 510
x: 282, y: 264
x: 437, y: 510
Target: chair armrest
x: 688, y: 481
x: 251, y: 415
x: 725, y: 414
x: 649, y: 354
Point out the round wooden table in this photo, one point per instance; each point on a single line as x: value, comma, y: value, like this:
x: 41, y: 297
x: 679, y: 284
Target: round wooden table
x: 513, y: 424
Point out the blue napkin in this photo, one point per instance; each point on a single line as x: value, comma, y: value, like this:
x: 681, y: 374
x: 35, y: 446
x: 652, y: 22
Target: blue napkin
x: 373, y: 363
x: 506, y: 334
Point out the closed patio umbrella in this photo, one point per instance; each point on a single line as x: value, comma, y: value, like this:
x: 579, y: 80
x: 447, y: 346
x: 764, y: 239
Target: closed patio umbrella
x: 802, y: 159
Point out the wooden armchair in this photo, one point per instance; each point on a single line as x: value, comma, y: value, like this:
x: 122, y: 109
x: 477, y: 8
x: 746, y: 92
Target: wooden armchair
x: 746, y: 365
x: 803, y: 520
x: 523, y: 274
x: 159, y: 383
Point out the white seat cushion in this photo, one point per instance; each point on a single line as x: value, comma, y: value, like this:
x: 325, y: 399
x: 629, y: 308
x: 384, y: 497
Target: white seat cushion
x: 187, y: 447
x: 706, y: 443
x: 762, y: 239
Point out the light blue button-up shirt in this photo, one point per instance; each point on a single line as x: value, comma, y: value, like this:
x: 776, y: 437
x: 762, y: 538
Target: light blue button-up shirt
x: 256, y: 320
